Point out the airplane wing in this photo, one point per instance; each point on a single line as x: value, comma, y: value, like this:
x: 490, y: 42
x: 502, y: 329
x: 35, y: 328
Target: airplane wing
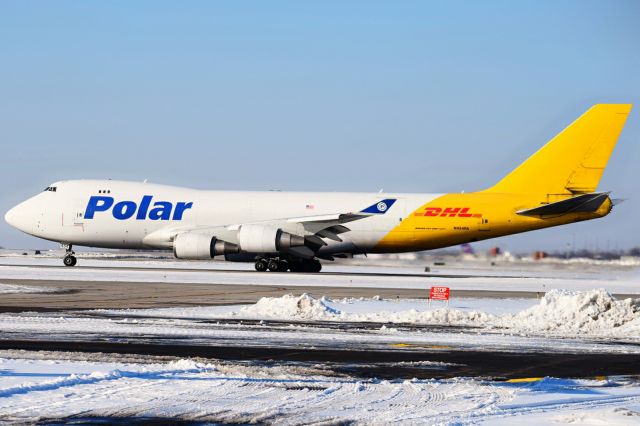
x: 314, y: 228
x: 329, y: 226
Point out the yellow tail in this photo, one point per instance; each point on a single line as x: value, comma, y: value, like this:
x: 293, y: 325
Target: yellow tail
x: 573, y: 161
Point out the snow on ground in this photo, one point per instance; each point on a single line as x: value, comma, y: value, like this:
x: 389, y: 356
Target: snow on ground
x: 174, y: 331
x: 582, y: 318
x: 561, y: 321
x: 524, y: 277
x: 593, y: 313
x: 32, y: 390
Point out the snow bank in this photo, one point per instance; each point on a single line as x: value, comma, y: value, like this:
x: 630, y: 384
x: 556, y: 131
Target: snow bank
x: 594, y: 311
x: 304, y: 307
x: 559, y: 312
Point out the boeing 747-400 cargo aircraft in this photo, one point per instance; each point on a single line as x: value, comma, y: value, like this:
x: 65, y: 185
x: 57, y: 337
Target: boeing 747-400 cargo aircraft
x: 283, y: 231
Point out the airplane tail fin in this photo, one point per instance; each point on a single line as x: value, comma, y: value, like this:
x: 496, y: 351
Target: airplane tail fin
x: 573, y: 161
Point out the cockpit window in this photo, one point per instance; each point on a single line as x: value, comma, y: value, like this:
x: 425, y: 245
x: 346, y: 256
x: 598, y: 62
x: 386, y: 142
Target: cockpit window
x: 50, y: 188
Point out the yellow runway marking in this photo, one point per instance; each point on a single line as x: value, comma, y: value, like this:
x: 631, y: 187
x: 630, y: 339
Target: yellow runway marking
x: 525, y: 380
x: 411, y: 345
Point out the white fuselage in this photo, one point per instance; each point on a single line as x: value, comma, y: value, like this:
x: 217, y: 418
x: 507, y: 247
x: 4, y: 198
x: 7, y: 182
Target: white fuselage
x: 69, y: 215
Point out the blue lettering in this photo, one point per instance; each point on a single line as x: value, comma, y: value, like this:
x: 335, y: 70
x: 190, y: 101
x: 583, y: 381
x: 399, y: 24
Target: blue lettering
x: 144, y: 207
x: 124, y: 210
x: 97, y: 204
x: 180, y: 208
x: 161, y: 210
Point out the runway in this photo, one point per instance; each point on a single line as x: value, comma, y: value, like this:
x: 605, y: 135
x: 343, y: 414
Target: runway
x: 153, y: 284
x: 105, y: 295
x: 249, y: 270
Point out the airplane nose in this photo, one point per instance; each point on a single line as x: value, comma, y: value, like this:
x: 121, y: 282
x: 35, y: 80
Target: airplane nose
x: 19, y: 217
x: 10, y: 217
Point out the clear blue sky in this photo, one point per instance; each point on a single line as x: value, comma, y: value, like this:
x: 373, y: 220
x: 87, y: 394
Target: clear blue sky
x: 326, y: 95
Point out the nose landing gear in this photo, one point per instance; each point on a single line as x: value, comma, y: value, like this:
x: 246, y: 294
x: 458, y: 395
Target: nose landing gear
x: 69, y: 258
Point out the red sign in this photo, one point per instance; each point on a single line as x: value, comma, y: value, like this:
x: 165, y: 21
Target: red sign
x: 439, y: 293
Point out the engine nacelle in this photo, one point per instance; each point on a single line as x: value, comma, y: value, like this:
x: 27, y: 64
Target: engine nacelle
x: 192, y: 245
x: 262, y: 239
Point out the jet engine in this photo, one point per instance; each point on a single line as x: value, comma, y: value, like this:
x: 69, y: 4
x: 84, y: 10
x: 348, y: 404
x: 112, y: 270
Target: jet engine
x: 192, y: 245
x: 255, y: 238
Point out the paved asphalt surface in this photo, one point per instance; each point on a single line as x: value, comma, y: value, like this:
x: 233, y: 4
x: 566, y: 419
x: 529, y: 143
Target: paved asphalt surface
x: 383, y: 364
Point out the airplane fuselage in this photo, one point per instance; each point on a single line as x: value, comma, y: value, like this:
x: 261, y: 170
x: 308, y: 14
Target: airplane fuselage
x: 117, y: 214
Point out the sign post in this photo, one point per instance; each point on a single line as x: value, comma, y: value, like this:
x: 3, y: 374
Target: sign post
x: 439, y: 293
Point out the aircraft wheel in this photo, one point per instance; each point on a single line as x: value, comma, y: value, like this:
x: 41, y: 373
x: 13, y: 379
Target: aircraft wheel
x: 315, y: 266
x: 273, y: 265
x: 70, y: 260
x: 261, y: 265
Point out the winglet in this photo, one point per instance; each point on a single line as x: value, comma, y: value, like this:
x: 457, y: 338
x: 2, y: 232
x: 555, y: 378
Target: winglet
x: 380, y: 207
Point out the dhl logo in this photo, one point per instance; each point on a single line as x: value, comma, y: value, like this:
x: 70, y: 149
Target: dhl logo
x: 448, y: 212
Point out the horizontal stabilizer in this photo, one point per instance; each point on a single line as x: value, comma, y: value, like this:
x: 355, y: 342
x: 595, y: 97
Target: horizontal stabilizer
x: 585, y: 203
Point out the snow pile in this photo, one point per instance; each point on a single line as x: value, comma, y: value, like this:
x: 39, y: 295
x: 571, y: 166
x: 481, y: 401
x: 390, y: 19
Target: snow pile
x: 446, y: 316
x: 587, y: 312
x: 304, y: 307
x: 559, y: 312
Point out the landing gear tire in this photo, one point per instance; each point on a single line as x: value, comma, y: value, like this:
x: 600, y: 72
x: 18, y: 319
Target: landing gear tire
x: 261, y: 265
x: 273, y: 265
x: 283, y: 266
x: 315, y: 266
x: 69, y: 258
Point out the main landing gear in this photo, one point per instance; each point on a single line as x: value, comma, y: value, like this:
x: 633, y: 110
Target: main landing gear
x: 69, y: 258
x: 283, y: 265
